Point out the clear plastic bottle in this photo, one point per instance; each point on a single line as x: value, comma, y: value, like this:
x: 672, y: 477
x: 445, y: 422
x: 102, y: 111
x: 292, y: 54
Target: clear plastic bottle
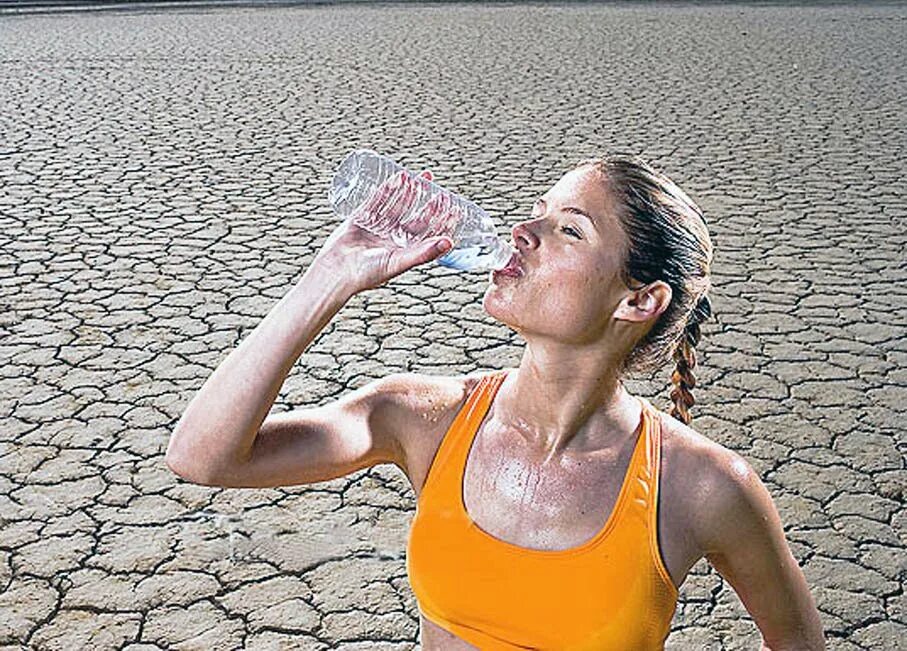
x: 390, y: 201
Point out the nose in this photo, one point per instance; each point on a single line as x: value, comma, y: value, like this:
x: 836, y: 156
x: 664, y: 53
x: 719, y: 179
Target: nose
x: 524, y: 238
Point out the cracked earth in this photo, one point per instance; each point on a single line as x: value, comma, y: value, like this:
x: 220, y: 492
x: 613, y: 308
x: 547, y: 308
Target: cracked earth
x: 163, y: 182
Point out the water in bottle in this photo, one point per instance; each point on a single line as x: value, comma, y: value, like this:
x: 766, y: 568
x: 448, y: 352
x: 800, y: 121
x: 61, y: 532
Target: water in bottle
x: 390, y: 201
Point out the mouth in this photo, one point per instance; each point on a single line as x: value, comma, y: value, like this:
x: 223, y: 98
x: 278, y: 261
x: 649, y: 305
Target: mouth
x: 512, y: 270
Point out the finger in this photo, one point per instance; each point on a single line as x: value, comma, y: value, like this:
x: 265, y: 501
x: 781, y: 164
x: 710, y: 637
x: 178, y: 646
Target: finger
x: 443, y: 221
x: 407, y: 197
x: 452, y: 218
x: 427, y: 175
x: 422, y: 220
x: 374, y: 212
x: 395, y: 200
x: 425, y: 252
x: 438, y: 218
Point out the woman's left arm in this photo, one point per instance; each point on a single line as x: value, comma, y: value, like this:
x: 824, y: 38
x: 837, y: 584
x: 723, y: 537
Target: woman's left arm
x: 741, y: 535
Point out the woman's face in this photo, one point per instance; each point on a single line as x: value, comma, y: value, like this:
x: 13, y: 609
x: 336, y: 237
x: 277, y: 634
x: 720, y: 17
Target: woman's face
x: 570, y: 264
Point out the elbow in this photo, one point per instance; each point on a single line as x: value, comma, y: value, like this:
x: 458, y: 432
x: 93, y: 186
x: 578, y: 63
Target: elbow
x: 182, y: 458
x: 188, y: 472
x: 177, y: 468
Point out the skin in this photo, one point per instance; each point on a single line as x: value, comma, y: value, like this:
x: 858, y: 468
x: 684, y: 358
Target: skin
x: 550, y: 456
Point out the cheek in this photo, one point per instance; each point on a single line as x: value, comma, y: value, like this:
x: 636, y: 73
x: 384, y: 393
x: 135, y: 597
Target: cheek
x: 569, y: 298
x: 568, y: 286
x: 577, y: 297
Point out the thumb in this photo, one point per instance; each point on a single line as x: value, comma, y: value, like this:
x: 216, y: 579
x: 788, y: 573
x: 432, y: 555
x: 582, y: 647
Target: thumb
x: 425, y: 252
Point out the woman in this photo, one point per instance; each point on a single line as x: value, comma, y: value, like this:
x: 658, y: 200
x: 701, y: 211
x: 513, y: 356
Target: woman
x: 555, y: 509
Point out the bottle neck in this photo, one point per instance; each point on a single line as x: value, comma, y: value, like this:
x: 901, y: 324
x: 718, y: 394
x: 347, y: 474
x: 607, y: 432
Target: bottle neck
x: 502, y: 255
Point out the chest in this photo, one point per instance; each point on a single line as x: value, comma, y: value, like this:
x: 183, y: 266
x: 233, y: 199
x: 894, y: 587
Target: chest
x: 521, y: 501
x: 530, y: 503
x: 464, y: 576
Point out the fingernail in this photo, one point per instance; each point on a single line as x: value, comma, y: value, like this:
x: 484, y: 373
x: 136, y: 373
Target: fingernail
x: 443, y: 245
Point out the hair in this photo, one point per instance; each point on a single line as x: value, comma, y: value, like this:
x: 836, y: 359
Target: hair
x: 668, y: 240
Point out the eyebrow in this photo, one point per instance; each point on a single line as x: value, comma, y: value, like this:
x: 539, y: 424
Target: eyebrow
x: 572, y: 209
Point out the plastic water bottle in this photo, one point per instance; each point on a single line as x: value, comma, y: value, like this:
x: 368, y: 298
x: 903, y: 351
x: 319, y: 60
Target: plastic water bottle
x: 392, y: 202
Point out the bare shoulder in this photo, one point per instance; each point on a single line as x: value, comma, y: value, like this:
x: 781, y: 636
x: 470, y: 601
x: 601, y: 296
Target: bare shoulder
x: 418, y: 409
x: 698, y: 452
x: 735, y: 524
x: 706, y: 480
x: 419, y: 397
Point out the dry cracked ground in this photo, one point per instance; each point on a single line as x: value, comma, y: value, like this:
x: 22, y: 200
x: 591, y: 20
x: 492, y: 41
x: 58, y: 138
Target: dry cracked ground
x: 164, y: 179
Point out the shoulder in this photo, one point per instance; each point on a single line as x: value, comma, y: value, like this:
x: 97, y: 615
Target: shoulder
x: 737, y: 527
x: 720, y: 489
x: 417, y: 408
x: 421, y: 394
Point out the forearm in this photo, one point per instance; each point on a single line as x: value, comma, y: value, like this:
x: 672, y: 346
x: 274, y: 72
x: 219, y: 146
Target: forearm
x: 220, y: 424
x: 818, y: 644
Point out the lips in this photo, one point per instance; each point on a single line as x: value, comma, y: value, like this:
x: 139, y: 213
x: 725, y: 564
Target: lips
x: 513, y: 267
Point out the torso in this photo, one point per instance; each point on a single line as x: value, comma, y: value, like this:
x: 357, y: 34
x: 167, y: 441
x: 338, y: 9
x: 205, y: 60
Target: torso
x: 566, y: 506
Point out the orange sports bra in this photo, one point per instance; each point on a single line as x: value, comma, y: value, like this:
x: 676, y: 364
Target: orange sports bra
x: 612, y: 593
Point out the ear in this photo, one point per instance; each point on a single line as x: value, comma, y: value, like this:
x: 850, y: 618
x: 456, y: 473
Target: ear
x: 645, y: 303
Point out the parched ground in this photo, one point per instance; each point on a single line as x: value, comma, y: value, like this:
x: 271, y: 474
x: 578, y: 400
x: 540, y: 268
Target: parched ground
x: 163, y: 182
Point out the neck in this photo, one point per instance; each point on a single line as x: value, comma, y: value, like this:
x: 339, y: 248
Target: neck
x: 567, y: 399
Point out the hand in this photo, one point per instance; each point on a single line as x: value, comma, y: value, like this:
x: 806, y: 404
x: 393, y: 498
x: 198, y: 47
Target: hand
x: 366, y: 261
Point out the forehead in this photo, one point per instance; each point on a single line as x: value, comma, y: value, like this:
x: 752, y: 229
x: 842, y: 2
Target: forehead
x: 579, y: 178
x: 584, y: 188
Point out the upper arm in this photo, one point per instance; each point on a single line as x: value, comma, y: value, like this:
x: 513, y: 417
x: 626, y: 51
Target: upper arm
x: 743, y: 538
x: 309, y: 445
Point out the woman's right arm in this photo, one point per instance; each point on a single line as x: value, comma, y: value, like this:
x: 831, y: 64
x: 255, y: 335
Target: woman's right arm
x: 217, y: 431
x: 220, y: 438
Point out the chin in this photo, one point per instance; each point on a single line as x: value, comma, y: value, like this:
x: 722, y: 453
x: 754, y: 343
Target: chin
x: 496, y: 306
x: 488, y: 305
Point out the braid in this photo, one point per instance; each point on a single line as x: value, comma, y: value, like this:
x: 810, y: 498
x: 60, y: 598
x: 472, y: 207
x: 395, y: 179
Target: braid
x: 685, y: 358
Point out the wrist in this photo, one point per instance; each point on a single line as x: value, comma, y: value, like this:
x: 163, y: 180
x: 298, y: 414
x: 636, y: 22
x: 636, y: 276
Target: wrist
x: 325, y: 277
